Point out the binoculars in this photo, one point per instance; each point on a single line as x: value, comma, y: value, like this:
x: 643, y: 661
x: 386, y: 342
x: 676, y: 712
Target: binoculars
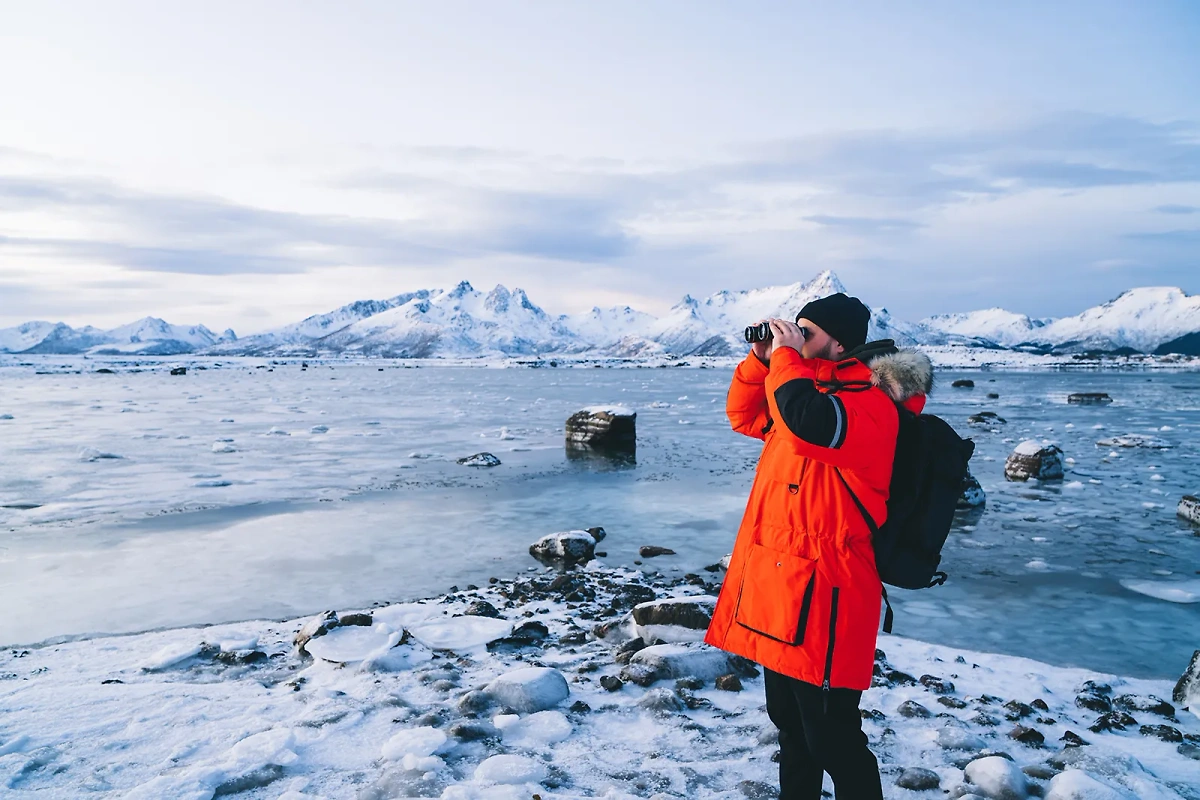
x: 762, y: 332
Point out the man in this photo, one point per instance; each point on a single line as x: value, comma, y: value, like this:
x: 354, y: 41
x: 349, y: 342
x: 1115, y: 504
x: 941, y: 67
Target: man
x: 802, y: 594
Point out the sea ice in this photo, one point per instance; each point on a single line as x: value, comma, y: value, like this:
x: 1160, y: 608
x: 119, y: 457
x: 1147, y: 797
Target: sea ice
x: 352, y: 643
x: 460, y: 633
x: 87, y: 454
x: 1172, y: 591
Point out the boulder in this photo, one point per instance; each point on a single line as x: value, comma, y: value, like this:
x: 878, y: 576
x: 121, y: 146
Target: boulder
x: 1033, y: 460
x: 1024, y: 735
x: 663, y: 661
x: 972, y: 495
x: 913, y: 709
x: 1145, y: 702
x: 1075, y: 784
x: 950, y: 738
x: 997, y: 778
x: 565, y: 547
x: 529, y: 689
x: 676, y: 619
x: 179, y: 371
x: 603, y: 427
x: 919, y: 779
x: 480, y: 460
x: 650, y: 551
x: 1089, y: 399
x: 986, y: 418
x: 1187, y: 688
x: 1189, y: 508
x: 963, y: 383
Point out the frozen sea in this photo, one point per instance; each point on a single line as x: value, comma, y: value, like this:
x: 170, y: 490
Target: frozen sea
x: 137, y: 500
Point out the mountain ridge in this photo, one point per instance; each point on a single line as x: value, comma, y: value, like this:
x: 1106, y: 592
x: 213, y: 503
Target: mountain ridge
x: 465, y: 322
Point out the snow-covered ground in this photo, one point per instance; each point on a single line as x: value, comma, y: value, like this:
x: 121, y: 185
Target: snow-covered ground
x: 406, y: 703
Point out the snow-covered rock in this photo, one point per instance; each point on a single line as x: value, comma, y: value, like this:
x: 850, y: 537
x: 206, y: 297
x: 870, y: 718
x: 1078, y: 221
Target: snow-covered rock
x: 566, y: 547
x: 1189, y: 508
x: 997, y: 778
x: 1187, y: 689
x: 1030, y: 459
x: 530, y: 689
x: 687, y: 660
x: 1135, y: 440
x: 1074, y: 784
x: 674, y: 619
x: 972, y: 495
x: 510, y: 769
x: 602, y: 427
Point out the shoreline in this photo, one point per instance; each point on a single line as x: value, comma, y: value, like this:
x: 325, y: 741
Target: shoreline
x: 397, y: 704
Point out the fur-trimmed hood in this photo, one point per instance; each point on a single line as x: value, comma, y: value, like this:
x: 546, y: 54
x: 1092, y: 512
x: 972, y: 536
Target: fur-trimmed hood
x: 903, y: 374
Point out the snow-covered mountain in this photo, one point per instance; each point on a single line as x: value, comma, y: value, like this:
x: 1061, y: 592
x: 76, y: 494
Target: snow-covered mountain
x: 463, y: 323
x: 148, y: 336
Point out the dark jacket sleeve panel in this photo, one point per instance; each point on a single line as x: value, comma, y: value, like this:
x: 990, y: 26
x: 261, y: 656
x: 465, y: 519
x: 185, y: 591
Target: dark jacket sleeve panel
x: 848, y: 430
x: 746, y: 403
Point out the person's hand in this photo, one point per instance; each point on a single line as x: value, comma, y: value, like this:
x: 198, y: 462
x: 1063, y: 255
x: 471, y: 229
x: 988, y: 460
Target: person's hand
x: 762, y: 349
x: 786, y: 334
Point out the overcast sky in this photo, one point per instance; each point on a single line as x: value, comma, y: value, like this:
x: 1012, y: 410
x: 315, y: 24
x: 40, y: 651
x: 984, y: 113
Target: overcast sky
x: 247, y: 164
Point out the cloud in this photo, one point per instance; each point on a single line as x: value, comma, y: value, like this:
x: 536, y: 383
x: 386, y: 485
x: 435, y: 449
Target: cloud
x: 864, y: 224
x: 1172, y: 208
x: 1184, y: 236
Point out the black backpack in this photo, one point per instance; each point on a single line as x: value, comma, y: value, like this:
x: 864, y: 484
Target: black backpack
x: 927, y: 478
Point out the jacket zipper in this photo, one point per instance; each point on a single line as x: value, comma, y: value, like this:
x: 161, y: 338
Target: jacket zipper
x: 833, y: 610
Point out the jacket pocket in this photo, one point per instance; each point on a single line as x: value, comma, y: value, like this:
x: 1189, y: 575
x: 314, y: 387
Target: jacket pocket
x: 776, y: 594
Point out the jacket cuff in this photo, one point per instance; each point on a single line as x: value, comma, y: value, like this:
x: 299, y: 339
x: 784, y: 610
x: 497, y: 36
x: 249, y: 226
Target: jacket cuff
x: 752, y: 370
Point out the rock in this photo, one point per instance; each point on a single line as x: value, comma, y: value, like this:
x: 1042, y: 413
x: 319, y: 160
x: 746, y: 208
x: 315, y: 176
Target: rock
x: 993, y: 396
x: 1017, y: 710
x: 529, y: 689
x: 1033, y: 460
x: 985, y: 720
x: 1041, y: 772
x: 1187, y: 689
x: 1096, y: 687
x: 662, y: 661
x: 650, y: 551
x: 611, y: 683
x: 527, y: 634
x: 963, y: 383
x: 319, y: 625
x: 1089, y: 398
x: 729, y: 683
x: 179, y: 371
x: 959, y: 739
x: 680, y: 619
x: 913, y: 709
x: 1075, y: 784
x: 474, y: 702
x: 473, y: 731
x: 1026, y: 735
x: 971, y: 495
x: 1189, y: 751
x: 997, y: 778
x: 937, y: 685
x: 919, y: 779
x: 1112, y: 721
x: 1073, y: 739
x: 1164, y: 732
x: 565, y: 547
x: 757, y: 790
x: 952, y: 702
x: 360, y: 619
x: 1145, y: 702
x: 661, y: 701
x: 627, y: 649
x: 479, y: 460
x: 897, y: 678
x: 986, y: 418
x: 602, y: 428
x: 482, y: 608
x: 1189, y: 509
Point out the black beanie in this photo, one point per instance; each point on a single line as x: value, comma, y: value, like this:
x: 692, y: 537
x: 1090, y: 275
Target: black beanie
x: 842, y: 317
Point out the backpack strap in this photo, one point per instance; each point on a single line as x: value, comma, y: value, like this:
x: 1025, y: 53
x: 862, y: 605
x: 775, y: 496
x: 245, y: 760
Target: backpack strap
x: 888, y: 616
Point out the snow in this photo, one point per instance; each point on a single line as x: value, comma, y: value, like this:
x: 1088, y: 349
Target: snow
x: 1029, y: 447
x: 998, y: 778
x: 460, y: 633
x: 1173, y: 591
x: 510, y: 769
x: 354, y: 643
x: 530, y: 689
x: 615, y: 411
x: 420, y: 742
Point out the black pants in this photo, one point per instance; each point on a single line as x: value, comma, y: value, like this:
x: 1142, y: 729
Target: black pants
x: 819, y: 734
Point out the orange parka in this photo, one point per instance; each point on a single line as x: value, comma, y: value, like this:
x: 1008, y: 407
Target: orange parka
x: 802, y: 595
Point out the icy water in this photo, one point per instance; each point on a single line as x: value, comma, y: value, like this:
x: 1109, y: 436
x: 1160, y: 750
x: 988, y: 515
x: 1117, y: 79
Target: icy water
x: 250, y: 490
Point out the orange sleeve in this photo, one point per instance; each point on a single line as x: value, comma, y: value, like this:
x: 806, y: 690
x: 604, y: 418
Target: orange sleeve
x: 848, y: 430
x: 746, y: 403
